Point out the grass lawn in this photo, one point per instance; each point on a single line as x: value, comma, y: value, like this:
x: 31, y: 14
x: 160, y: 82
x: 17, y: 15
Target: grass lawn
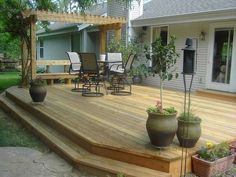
x: 14, y: 134
x: 8, y: 79
x: 11, y: 132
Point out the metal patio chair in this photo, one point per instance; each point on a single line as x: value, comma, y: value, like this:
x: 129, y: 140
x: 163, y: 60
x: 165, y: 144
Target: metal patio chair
x: 75, y: 66
x: 114, y: 59
x: 93, y: 80
x: 119, y: 77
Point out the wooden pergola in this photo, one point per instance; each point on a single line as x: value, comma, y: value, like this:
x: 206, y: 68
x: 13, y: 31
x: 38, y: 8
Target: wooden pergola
x: 105, y: 23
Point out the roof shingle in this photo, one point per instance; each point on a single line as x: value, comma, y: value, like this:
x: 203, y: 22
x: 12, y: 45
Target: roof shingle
x: 164, y: 8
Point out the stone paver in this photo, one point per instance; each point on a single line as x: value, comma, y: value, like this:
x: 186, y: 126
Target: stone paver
x: 26, y: 162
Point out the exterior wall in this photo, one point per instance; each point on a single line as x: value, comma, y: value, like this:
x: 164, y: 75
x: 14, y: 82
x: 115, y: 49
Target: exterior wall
x: 135, y: 11
x: 76, y: 42
x: 117, y: 9
x: 183, y: 31
x: 92, y: 44
x: 55, y: 48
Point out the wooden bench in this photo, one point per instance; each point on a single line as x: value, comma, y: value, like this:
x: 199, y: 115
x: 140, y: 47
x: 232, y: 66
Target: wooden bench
x: 50, y: 77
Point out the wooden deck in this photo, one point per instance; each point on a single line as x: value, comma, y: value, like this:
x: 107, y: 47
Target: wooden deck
x: 114, y: 126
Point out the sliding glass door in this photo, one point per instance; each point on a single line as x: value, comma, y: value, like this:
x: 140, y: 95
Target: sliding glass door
x: 221, y: 69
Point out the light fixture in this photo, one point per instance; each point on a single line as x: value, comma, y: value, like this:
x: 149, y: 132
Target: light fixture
x: 202, y: 36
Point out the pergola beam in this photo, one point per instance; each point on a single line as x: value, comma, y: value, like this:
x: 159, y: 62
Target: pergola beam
x: 75, y: 18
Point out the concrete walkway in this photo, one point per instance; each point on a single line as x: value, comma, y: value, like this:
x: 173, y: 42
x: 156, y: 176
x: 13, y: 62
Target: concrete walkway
x: 26, y: 162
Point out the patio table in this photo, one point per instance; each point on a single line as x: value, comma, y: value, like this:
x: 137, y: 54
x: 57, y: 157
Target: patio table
x: 105, y: 66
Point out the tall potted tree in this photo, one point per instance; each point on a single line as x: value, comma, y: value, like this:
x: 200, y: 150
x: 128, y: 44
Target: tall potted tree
x: 161, y: 123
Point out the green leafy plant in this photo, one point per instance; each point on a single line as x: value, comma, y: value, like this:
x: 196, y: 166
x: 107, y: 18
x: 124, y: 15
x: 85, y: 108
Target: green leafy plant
x: 120, y: 175
x: 163, y: 59
x: 119, y: 46
x: 37, y: 82
x: 189, y: 116
x: 212, y: 152
x: 140, y: 70
x: 158, y: 109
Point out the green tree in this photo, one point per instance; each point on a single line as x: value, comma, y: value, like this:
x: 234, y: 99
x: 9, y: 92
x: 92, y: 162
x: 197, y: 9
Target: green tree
x: 163, y: 59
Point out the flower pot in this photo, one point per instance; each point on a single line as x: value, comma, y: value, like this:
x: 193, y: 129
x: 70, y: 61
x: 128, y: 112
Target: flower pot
x: 38, y: 93
x: 203, y: 168
x: 161, y: 128
x: 233, y: 148
x: 137, y: 79
x: 188, y: 132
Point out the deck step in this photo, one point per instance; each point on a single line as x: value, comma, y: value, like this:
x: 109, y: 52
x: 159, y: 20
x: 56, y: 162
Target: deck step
x: 73, y: 152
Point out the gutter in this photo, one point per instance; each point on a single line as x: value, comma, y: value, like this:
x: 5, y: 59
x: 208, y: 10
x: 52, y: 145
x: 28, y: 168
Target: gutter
x: 228, y: 14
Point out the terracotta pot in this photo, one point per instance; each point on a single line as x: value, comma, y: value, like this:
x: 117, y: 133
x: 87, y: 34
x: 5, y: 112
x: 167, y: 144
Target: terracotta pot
x: 203, y: 168
x: 38, y: 93
x: 188, y: 132
x: 161, y: 128
x: 233, y: 148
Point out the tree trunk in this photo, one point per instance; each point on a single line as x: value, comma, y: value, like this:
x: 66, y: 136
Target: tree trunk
x: 161, y: 90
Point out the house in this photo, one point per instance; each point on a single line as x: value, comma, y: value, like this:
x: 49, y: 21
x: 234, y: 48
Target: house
x: 210, y: 24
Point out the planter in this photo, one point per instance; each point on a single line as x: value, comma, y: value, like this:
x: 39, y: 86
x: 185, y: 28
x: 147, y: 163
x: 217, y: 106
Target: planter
x: 161, y: 129
x: 203, y: 168
x: 233, y: 148
x: 137, y: 79
x: 188, y: 132
x: 38, y: 93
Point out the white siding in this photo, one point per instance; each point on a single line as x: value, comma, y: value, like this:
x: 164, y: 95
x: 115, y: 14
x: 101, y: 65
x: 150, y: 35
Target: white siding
x: 135, y: 11
x: 117, y: 9
x: 183, y: 31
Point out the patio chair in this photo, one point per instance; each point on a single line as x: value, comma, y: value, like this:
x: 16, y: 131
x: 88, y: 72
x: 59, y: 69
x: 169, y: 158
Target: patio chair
x: 75, y: 65
x: 114, y: 57
x: 119, y: 77
x: 92, y: 76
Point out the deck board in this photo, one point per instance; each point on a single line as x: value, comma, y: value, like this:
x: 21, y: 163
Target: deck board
x: 119, y: 122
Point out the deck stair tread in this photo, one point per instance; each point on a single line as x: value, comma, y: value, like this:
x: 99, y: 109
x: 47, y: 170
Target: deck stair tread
x: 73, y: 151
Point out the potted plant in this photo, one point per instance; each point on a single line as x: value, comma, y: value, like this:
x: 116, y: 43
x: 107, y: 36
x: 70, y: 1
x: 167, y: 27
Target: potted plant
x: 138, y: 72
x: 189, y: 129
x: 233, y: 148
x: 161, y: 123
x: 212, y: 159
x: 37, y: 90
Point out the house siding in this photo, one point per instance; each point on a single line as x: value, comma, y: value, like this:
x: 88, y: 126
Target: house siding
x: 135, y: 11
x: 183, y: 31
x: 117, y: 9
x: 76, y: 42
x: 55, y: 47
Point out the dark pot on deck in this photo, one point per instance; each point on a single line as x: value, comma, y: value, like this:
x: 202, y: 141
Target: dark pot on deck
x: 38, y: 93
x: 161, y: 128
x: 188, y: 132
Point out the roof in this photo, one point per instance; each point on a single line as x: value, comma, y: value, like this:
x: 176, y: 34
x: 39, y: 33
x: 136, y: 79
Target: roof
x: 99, y: 9
x: 172, y: 8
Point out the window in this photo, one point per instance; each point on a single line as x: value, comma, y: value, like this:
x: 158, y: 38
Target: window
x: 160, y: 32
x: 41, y: 50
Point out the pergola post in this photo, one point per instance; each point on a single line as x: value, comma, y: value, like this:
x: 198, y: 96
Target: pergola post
x: 102, y: 40
x: 33, y: 46
x: 118, y: 34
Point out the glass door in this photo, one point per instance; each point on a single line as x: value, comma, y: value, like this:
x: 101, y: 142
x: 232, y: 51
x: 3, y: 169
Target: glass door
x: 222, y: 55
